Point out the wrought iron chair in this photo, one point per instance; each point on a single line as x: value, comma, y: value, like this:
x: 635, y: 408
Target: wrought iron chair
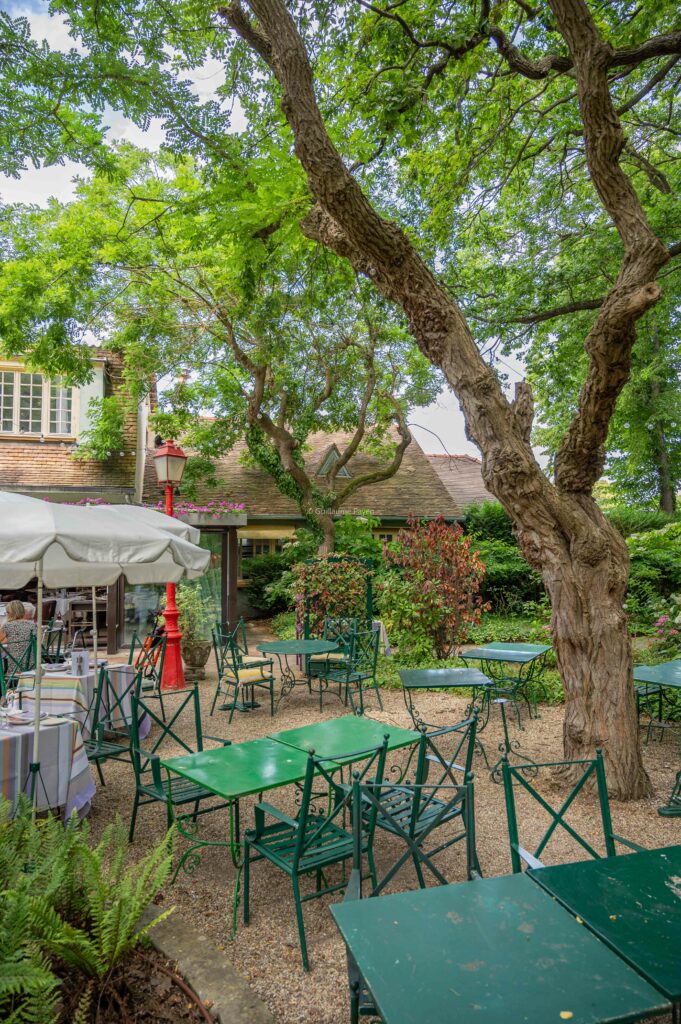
x: 52, y: 640
x: 458, y: 802
x: 147, y: 656
x: 150, y: 785
x: 237, y: 678
x: 111, y: 721
x: 672, y: 808
x: 13, y: 665
x: 313, y: 841
x: 221, y: 638
x: 357, y: 673
x: 444, y: 761
x: 517, y: 775
x: 340, y: 631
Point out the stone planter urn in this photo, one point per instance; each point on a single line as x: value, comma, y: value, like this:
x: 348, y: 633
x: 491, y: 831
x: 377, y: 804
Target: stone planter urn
x: 195, y: 654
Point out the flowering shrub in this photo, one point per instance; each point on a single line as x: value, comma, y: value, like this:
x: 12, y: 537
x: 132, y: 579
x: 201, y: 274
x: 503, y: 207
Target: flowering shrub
x: 668, y: 631
x: 430, y: 594
x: 333, y: 587
x: 213, y: 508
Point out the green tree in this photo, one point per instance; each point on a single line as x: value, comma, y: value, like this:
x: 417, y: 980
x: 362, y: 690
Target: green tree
x: 265, y: 337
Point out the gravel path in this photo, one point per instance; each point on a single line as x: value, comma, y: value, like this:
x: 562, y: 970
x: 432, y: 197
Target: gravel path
x: 267, y: 951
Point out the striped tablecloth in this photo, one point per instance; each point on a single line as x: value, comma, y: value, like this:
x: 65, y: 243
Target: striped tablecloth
x: 73, y: 696
x: 64, y: 779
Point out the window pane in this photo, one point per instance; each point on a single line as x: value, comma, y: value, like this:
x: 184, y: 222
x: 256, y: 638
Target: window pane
x: 6, y: 401
x: 60, y: 408
x: 31, y: 403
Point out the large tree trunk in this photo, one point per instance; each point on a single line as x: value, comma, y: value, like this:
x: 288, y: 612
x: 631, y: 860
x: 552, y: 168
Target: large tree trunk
x: 328, y: 526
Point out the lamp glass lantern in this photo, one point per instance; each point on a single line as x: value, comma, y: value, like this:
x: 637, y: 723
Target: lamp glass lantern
x: 169, y: 463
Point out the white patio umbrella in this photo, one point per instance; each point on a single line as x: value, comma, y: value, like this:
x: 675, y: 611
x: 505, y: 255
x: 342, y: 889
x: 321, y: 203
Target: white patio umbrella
x: 67, y: 545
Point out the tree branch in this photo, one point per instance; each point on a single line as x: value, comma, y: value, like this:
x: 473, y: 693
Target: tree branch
x: 387, y: 471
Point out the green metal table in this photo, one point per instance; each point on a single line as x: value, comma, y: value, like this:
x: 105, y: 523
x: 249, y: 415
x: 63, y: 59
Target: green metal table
x: 285, y: 649
x: 496, y: 951
x: 495, y: 658
x: 338, y: 737
x: 655, y: 684
x: 633, y: 904
x: 419, y: 679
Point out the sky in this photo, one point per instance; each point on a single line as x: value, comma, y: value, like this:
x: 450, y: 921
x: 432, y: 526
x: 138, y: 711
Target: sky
x: 437, y: 428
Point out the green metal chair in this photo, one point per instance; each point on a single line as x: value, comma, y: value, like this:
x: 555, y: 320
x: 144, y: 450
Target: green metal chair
x: 672, y: 808
x: 357, y: 673
x: 517, y: 775
x: 455, y: 801
x: 150, y: 784
x: 237, y: 678
x: 52, y: 641
x: 238, y: 637
x: 340, y: 631
x: 13, y: 666
x: 443, y: 762
x: 111, y: 721
x: 312, y: 842
x: 148, y: 656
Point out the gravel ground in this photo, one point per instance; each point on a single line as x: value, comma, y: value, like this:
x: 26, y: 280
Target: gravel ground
x: 267, y: 952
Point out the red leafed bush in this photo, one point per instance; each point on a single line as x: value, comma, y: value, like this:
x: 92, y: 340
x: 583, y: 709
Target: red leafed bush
x: 334, y: 587
x: 430, y: 594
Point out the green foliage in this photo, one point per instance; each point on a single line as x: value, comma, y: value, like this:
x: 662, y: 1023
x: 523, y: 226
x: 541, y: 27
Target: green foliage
x: 429, y: 594
x: 195, y: 620
x: 267, y: 592
x: 667, y: 634
x: 655, y: 571
x: 284, y: 625
x: 355, y: 537
x: 67, y: 910
x: 333, y: 587
x: 630, y: 519
x: 106, y: 434
x: 509, y: 582
x: 489, y: 521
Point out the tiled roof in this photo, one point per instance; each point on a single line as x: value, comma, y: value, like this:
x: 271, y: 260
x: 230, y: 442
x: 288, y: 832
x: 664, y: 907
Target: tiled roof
x: 415, y: 489
x: 462, y: 476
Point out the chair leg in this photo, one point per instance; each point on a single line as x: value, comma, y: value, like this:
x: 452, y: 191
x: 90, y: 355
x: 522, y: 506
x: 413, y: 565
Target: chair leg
x: 246, y: 880
x: 272, y: 699
x: 133, y: 818
x: 301, y: 923
x: 215, y: 698
x: 419, y: 872
x: 160, y: 698
x: 100, y: 772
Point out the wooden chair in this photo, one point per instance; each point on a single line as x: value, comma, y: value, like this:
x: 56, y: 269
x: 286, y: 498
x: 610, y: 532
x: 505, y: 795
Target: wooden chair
x: 312, y: 842
x: 238, y: 679
x: 519, y: 775
x: 151, y: 786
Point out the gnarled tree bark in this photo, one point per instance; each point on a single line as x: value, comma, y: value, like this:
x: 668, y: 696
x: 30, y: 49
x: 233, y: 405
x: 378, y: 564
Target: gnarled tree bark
x: 583, y: 561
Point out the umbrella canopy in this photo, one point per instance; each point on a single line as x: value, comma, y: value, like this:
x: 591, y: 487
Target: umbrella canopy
x: 136, y: 514
x: 74, y: 546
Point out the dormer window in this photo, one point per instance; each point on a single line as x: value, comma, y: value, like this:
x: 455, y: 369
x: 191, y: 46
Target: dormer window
x: 31, y: 404
x: 331, y: 457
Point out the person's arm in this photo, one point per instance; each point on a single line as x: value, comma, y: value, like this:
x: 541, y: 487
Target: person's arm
x: 3, y: 636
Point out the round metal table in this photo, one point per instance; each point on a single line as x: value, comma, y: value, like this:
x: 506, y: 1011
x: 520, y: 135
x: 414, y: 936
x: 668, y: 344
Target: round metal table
x: 285, y: 649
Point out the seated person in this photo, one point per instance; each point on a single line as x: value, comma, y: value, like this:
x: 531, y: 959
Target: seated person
x: 17, y: 631
x: 29, y: 611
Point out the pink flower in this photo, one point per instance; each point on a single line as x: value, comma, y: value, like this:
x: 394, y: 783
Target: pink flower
x: 673, y: 632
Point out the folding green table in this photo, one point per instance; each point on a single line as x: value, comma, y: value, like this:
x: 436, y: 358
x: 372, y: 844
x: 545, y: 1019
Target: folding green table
x: 256, y: 766
x: 495, y: 658
x: 495, y: 951
x: 633, y: 904
x: 285, y: 649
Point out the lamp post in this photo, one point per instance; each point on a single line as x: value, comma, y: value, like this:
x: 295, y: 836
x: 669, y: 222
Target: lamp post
x: 169, y: 463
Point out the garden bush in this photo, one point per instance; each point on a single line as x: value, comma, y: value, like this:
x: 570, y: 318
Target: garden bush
x: 333, y: 587
x: 69, y: 914
x: 265, y: 574
x: 509, y: 581
x: 430, y: 593
x: 639, y: 520
x: 489, y: 521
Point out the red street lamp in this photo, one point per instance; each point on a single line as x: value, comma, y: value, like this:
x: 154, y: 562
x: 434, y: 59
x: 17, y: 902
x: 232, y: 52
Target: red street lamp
x: 169, y: 463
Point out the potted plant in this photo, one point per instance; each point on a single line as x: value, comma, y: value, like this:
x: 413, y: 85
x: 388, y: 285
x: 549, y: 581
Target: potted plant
x: 195, y: 628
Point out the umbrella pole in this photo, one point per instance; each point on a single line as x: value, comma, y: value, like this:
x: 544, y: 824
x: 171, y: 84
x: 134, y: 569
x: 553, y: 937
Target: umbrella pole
x: 35, y: 764
x: 94, y: 631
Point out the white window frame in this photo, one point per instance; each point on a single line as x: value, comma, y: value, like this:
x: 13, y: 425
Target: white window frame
x: 16, y: 369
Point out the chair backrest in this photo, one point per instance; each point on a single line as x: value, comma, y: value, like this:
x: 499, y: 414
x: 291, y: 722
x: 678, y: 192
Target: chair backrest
x: 14, y: 665
x: 222, y: 638
x: 52, y: 641
x: 520, y: 775
x: 112, y: 704
x: 324, y: 770
x: 431, y: 806
x: 218, y: 647
x: 189, y: 709
x: 363, y: 652
x: 341, y: 630
x: 445, y: 756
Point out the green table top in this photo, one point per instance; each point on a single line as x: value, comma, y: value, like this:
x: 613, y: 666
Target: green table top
x: 666, y: 674
x: 297, y: 646
x: 345, y: 735
x: 633, y: 903
x: 516, y: 653
x: 497, y: 951
x: 242, y: 768
x: 447, y: 678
